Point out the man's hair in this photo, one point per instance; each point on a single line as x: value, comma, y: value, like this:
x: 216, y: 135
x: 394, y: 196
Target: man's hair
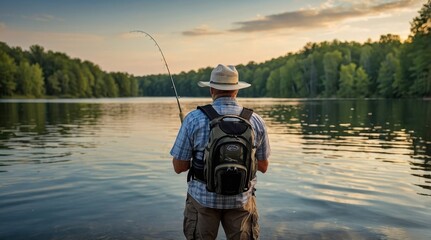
x: 218, y: 92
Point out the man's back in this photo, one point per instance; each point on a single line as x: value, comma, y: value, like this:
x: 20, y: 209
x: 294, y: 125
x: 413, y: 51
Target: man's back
x: 205, y: 210
x: 195, y: 134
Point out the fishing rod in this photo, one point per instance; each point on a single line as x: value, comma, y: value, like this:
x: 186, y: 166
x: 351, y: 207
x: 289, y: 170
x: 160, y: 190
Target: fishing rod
x: 169, y: 72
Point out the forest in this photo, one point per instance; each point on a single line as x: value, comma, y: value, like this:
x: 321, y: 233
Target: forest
x: 387, y: 68
x: 37, y: 73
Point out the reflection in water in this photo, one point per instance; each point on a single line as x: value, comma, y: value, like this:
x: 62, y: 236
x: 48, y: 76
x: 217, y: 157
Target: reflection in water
x: 45, y: 133
x: 340, y: 169
x: 336, y: 128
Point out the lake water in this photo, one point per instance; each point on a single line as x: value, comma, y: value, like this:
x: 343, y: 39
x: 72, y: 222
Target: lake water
x: 101, y: 169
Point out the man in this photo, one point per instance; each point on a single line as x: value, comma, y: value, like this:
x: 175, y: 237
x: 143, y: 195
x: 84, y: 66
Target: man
x: 205, y: 210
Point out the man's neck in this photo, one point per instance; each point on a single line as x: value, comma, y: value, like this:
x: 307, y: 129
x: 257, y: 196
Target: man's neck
x: 224, y: 96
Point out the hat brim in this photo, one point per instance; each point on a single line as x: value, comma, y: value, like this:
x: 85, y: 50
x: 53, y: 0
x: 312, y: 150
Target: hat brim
x: 240, y: 85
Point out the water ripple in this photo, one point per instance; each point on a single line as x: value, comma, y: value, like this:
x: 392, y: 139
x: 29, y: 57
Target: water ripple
x: 101, y: 169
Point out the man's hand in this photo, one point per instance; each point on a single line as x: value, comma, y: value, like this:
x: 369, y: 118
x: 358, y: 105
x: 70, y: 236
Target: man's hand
x: 262, y: 165
x: 180, y: 165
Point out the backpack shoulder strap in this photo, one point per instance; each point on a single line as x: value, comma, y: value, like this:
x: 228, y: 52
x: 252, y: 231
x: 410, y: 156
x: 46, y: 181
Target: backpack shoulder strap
x: 209, y: 111
x: 246, y: 113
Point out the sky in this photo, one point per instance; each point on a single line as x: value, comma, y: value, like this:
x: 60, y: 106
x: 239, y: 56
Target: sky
x: 195, y: 34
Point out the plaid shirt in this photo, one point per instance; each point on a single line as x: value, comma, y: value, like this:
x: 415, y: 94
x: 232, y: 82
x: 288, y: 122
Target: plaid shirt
x: 192, y: 138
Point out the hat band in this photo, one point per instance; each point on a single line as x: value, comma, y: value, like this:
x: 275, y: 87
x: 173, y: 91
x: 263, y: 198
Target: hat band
x: 224, y: 83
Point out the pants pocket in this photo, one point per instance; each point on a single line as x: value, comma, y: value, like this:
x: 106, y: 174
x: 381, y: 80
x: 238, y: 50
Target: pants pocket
x: 190, y: 220
x: 250, y: 225
x: 255, y: 225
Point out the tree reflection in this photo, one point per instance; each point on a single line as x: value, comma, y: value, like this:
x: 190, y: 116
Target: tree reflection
x: 374, y: 126
x: 39, y: 128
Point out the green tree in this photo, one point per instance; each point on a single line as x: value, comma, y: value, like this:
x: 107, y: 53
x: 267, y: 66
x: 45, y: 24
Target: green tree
x: 291, y: 78
x: 331, y: 63
x: 260, y: 76
x: 98, y: 88
x: 365, y: 58
x: 87, y: 81
x: 30, y: 80
x: 309, y: 73
x: 54, y: 84
x: 388, y: 43
x: 7, y: 75
x: 80, y: 85
x: 37, y: 55
x: 362, y: 82
x: 134, y: 86
x: 123, y: 82
x: 421, y: 24
x: 347, y: 80
x: 388, y: 76
x: 273, y: 84
x: 23, y: 79
x: 402, y: 84
x: 353, y: 81
x: 38, y: 89
x: 285, y: 82
x: 420, y: 52
x: 111, y: 89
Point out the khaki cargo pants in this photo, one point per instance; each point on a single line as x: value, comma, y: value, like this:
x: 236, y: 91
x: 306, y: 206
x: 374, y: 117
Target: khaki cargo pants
x: 202, y: 223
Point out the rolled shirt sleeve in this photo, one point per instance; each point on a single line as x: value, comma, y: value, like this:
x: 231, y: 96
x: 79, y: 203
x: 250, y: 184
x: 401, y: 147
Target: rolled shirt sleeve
x: 183, y: 147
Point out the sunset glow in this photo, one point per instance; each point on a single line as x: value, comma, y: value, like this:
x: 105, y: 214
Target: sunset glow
x: 195, y: 34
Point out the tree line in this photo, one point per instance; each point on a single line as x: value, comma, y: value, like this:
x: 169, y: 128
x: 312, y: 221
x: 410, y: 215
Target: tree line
x: 40, y: 73
x: 386, y: 68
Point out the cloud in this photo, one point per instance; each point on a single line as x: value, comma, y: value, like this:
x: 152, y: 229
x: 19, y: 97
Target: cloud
x: 43, y: 18
x: 326, y: 15
x: 201, y: 31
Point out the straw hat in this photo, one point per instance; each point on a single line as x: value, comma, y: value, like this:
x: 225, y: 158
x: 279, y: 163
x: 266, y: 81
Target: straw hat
x: 224, y: 78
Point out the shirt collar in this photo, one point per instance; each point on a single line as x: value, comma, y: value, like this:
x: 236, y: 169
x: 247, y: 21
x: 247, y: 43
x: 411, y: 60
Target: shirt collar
x: 225, y: 101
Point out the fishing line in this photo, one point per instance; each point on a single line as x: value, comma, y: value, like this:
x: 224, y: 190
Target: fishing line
x: 167, y: 67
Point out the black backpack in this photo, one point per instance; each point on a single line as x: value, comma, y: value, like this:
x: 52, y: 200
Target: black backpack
x: 229, y: 159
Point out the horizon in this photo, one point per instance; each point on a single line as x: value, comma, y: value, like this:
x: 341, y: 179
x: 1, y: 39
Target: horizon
x: 204, y: 34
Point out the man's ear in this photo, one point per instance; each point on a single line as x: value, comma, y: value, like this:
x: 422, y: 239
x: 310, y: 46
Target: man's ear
x: 212, y: 92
